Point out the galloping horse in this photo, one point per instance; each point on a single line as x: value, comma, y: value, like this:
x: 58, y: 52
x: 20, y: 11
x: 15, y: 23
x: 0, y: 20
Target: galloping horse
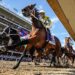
x: 68, y: 57
x: 68, y: 50
x: 37, y: 39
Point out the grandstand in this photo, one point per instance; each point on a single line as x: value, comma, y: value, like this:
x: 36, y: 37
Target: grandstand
x: 9, y: 18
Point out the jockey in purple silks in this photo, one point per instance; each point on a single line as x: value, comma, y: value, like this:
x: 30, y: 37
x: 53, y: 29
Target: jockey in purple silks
x: 68, y: 44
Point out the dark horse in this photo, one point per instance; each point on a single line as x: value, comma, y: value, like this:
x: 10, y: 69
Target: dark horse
x: 10, y: 36
x: 37, y: 39
x: 68, y: 57
x: 68, y: 51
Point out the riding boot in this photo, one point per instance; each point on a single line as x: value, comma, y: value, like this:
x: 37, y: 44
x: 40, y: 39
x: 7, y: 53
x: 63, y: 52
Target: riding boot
x: 18, y: 44
x: 48, y: 34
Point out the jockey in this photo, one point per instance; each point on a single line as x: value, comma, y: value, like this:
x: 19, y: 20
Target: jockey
x: 69, y: 44
x: 47, y: 24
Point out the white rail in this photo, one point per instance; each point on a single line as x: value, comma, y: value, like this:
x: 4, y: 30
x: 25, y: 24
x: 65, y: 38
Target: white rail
x: 7, y: 57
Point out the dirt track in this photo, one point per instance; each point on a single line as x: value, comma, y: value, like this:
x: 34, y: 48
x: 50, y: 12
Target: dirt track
x: 28, y: 68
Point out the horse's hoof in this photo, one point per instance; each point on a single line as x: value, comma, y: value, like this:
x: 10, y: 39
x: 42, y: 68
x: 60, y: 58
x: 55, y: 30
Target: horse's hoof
x: 15, y: 67
x: 50, y: 65
x: 36, y: 63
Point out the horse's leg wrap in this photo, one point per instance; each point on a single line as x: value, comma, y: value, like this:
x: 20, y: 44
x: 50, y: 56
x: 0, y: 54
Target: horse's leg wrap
x: 18, y: 63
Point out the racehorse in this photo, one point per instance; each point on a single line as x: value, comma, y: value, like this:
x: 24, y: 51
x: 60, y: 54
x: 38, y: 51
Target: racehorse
x: 10, y: 36
x: 68, y: 57
x: 68, y: 51
x: 38, y: 36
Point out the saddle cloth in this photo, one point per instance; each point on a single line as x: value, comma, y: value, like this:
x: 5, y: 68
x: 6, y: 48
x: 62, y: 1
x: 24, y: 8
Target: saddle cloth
x: 50, y: 38
x: 52, y: 41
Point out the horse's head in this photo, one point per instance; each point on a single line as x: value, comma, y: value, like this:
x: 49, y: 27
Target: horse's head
x: 28, y: 10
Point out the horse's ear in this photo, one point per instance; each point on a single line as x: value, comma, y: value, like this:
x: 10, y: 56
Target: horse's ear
x: 33, y: 5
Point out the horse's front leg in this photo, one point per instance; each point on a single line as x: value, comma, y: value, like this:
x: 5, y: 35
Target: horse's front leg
x: 38, y: 55
x: 18, y: 63
x: 24, y: 52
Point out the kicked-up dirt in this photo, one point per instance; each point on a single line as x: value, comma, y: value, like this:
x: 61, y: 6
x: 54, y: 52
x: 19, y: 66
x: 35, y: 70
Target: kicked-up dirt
x: 28, y: 68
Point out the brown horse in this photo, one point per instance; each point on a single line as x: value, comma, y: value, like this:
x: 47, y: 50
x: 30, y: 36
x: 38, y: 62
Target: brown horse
x: 68, y: 45
x: 68, y: 50
x: 68, y: 57
x: 37, y: 38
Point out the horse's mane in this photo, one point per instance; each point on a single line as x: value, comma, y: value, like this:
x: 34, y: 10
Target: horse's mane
x: 56, y: 39
x: 37, y: 23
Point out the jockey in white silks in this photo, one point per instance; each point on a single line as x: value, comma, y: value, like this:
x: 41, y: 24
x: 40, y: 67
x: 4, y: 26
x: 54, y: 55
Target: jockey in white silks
x: 47, y: 24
